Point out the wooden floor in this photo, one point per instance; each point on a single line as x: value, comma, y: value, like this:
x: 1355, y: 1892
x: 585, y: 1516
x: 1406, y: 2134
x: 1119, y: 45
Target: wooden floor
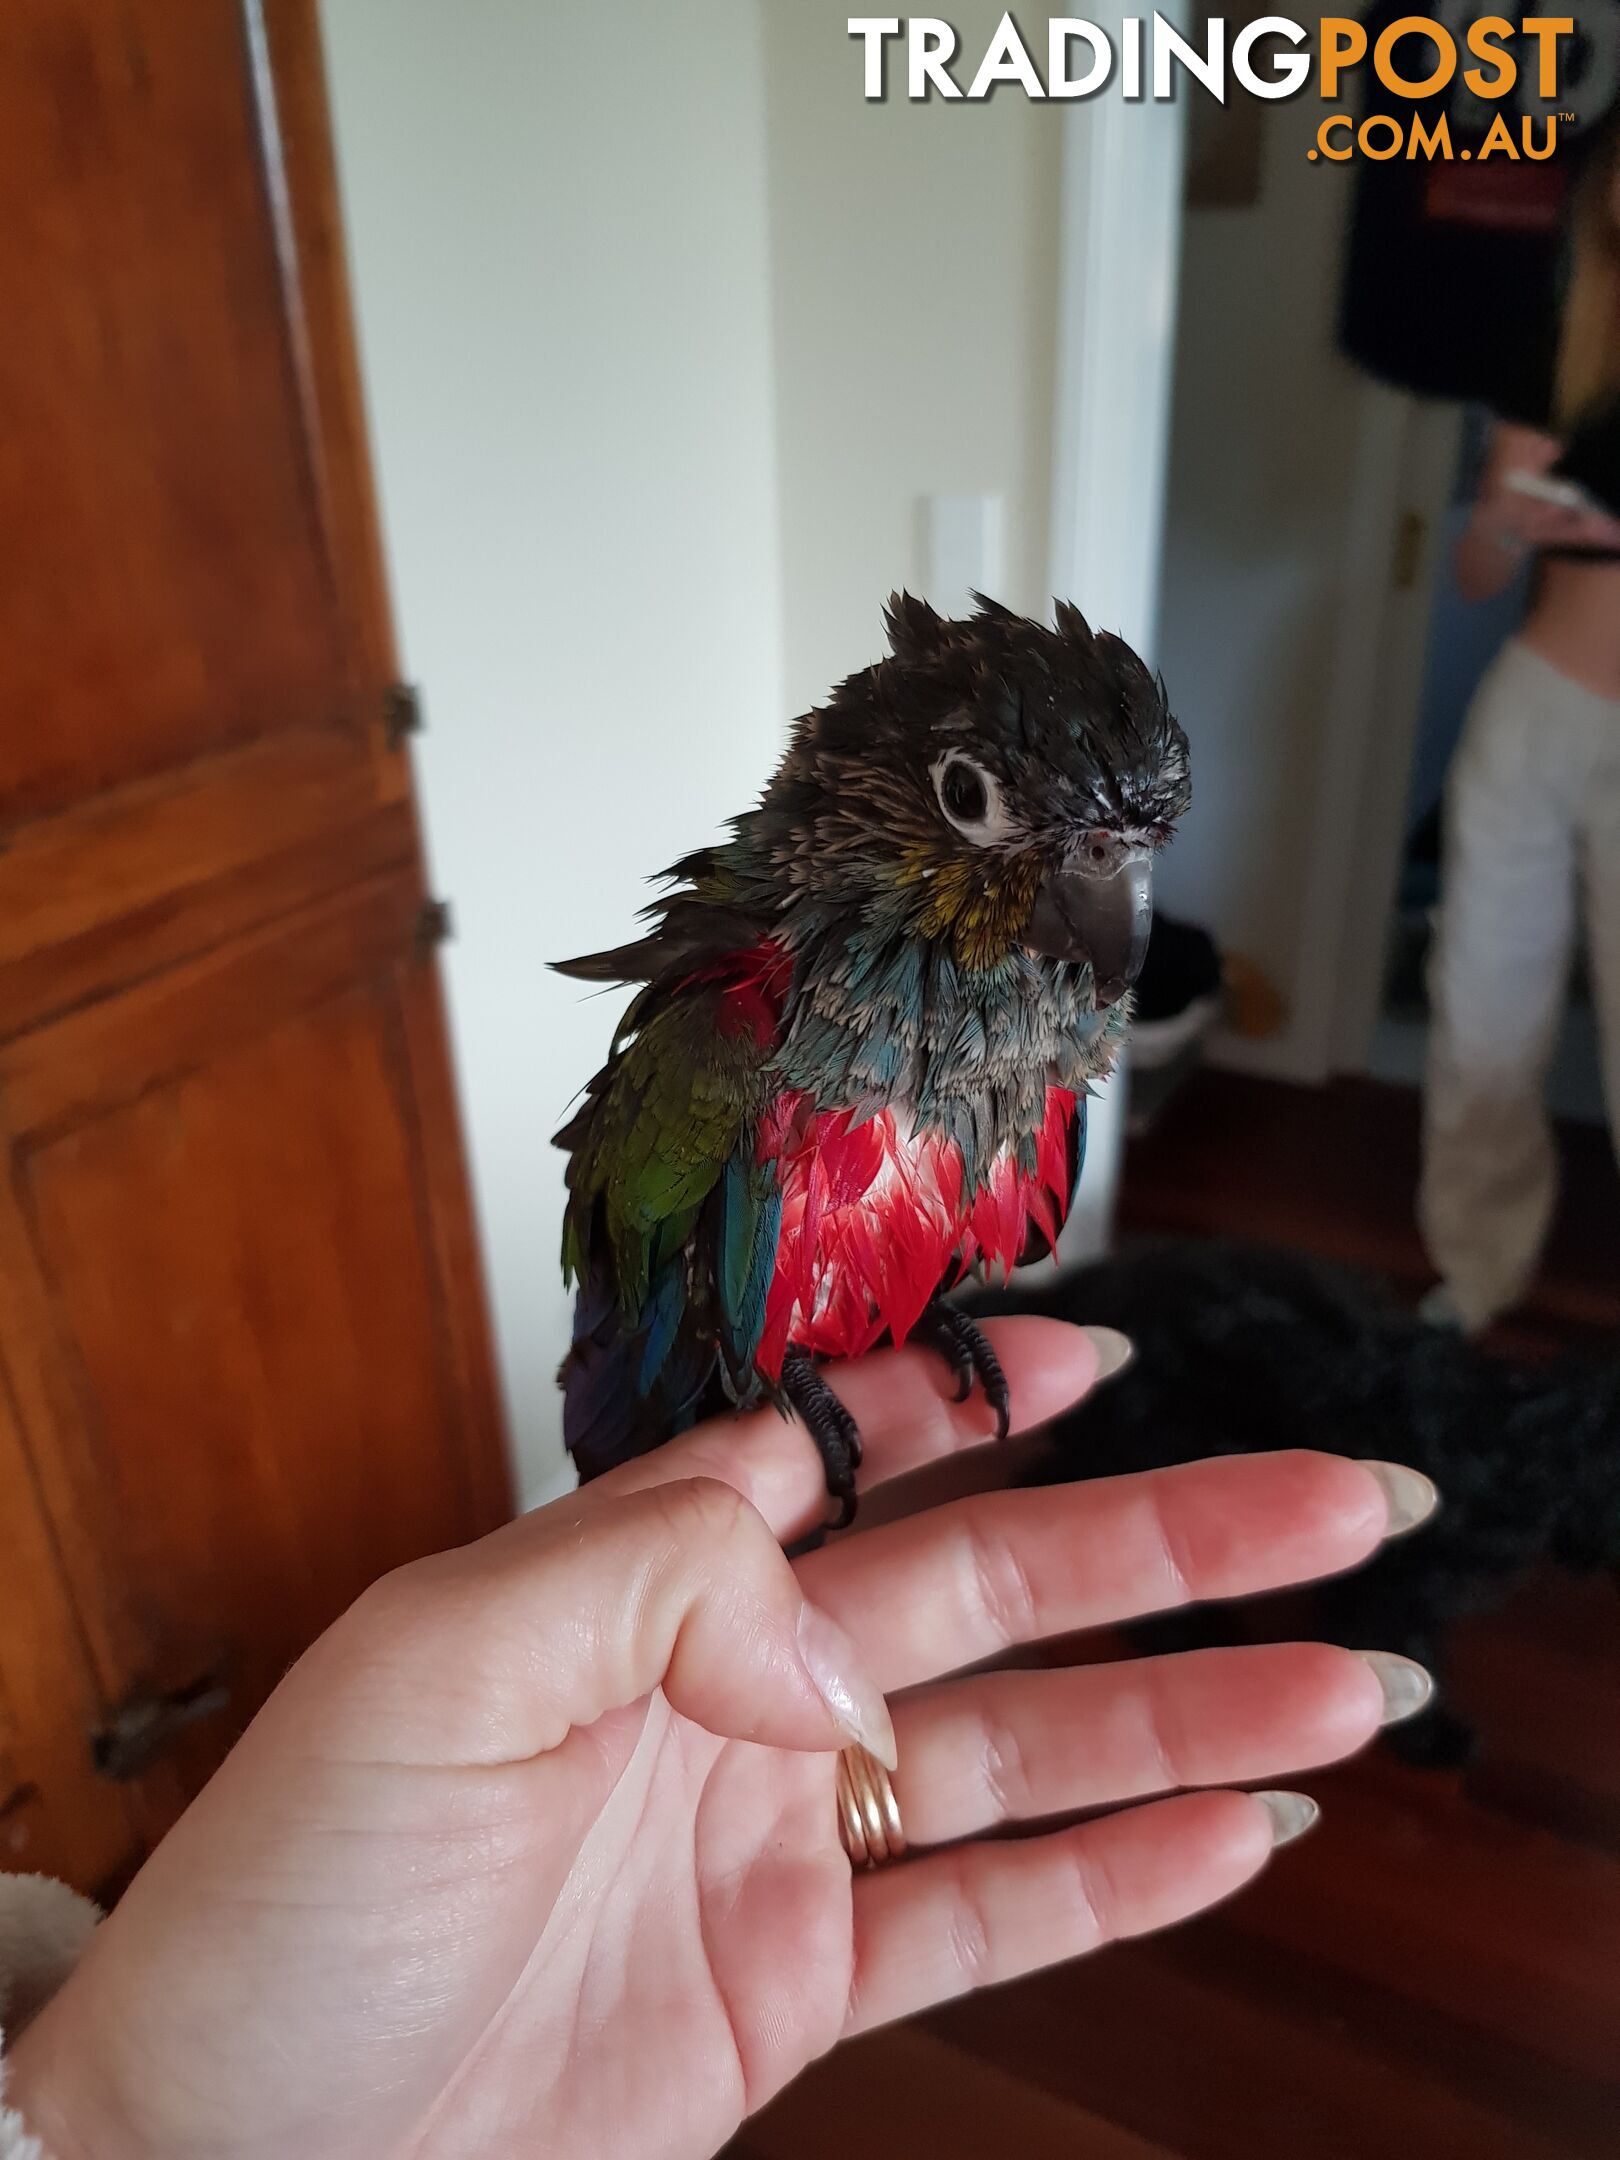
x: 1435, y: 1972
x: 1334, y: 1171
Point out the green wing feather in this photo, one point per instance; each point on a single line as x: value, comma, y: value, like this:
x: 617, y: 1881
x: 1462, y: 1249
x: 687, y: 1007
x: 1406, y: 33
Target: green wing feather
x: 659, y: 1124
x: 670, y: 1231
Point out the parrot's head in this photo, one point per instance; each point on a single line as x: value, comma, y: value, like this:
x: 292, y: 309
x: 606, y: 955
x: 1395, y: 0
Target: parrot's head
x: 993, y: 784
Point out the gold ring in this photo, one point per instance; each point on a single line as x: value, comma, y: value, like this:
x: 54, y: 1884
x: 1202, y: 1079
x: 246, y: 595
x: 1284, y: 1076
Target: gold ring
x: 868, y: 1812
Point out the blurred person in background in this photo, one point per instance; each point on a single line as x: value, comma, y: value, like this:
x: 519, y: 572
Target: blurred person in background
x: 1532, y: 804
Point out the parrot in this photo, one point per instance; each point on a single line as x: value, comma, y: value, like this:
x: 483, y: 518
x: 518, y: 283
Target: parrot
x: 855, y: 1067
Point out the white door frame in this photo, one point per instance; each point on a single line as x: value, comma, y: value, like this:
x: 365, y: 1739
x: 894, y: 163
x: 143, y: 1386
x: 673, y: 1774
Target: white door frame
x: 1382, y: 652
x: 1405, y: 459
x: 1119, y: 274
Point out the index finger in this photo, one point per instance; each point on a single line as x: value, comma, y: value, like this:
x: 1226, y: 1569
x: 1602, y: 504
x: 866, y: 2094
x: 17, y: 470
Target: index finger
x: 976, y: 1577
x: 904, y: 1404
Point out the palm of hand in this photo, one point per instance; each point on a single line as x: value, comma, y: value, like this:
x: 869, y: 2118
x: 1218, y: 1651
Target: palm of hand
x: 444, y: 1899
x: 703, y: 1941
x: 635, y: 1940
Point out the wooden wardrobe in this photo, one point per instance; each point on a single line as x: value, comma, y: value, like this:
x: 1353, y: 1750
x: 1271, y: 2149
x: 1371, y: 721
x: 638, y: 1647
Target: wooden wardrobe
x: 244, y: 1361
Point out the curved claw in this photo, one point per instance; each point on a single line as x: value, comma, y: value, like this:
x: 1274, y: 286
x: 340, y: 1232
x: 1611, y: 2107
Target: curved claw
x: 995, y: 1389
x: 964, y: 1344
x: 830, y: 1426
x: 844, y: 1512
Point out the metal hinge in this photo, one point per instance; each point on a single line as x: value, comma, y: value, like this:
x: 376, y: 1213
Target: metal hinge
x: 145, y: 1727
x: 1410, y: 536
x: 402, y: 713
x: 17, y: 1807
x: 434, y: 924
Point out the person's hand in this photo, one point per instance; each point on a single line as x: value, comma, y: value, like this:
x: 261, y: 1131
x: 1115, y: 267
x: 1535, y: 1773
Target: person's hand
x: 1514, y: 521
x: 536, y: 1850
x: 1588, y: 529
x: 1523, y: 523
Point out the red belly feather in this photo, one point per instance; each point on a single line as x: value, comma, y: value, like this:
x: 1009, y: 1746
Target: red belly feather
x: 874, y: 1221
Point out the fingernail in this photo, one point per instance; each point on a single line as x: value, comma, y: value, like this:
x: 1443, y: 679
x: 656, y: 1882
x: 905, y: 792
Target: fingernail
x: 1408, y: 1686
x: 1411, y: 1497
x: 1292, y: 1814
x: 834, y: 1664
x: 1114, y: 1352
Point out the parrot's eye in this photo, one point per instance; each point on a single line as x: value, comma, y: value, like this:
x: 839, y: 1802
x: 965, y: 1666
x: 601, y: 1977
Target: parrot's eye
x: 963, y: 793
x: 970, y: 798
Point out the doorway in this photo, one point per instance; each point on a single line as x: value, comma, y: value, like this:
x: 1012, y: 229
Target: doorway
x: 1461, y: 638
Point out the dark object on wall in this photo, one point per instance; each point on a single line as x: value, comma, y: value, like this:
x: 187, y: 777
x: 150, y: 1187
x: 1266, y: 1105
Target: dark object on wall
x: 1245, y: 1349
x: 245, y: 1361
x: 1225, y: 138
x: 1453, y: 275
x: 1181, y: 972
x: 1177, y: 1000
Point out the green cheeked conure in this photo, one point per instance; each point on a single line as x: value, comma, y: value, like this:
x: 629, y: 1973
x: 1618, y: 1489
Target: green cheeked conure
x: 856, y: 1068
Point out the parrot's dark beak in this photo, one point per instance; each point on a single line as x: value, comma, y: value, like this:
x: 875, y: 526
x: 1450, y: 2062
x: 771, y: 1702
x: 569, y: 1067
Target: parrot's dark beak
x: 1105, y: 920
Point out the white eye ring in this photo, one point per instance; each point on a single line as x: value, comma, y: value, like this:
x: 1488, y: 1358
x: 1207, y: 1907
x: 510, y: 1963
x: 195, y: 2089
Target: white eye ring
x: 992, y: 822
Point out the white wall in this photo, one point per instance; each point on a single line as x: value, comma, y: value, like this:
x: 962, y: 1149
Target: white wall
x: 1264, y: 437
x: 557, y: 228
x: 667, y: 336
x: 915, y: 256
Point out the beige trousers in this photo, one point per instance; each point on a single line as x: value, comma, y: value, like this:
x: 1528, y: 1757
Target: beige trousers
x: 1532, y: 819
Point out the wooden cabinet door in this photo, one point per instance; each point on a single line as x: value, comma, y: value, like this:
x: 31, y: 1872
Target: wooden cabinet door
x: 245, y: 1360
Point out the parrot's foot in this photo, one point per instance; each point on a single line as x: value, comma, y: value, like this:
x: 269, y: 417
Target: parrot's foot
x: 966, y: 1349
x: 835, y: 1432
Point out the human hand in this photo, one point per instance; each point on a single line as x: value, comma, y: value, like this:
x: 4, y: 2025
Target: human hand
x: 1523, y: 522
x: 536, y: 1850
x: 1592, y: 529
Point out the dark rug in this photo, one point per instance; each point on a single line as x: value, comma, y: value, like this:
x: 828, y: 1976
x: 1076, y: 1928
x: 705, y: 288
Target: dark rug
x: 1244, y: 1348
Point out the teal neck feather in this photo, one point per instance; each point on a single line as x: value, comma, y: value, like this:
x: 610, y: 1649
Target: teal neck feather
x: 881, y: 1016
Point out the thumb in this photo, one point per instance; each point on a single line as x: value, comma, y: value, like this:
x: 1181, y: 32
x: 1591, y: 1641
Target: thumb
x: 496, y: 1652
